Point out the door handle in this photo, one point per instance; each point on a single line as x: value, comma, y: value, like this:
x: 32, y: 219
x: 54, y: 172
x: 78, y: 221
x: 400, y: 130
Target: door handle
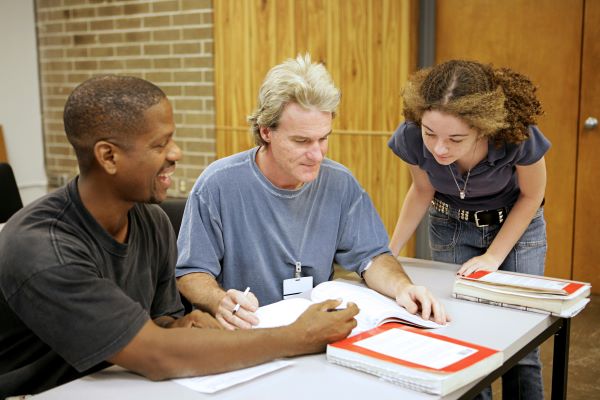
x: 590, y: 123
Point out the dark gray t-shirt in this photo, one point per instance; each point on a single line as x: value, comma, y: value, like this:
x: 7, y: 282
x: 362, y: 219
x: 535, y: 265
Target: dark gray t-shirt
x: 245, y: 231
x: 70, y: 295
x: 492, y: 183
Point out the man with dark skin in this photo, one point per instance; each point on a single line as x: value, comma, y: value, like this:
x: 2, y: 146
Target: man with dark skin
x: 98, y: 280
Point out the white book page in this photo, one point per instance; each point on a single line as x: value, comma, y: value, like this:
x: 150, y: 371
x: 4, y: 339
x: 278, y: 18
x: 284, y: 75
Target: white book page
x: 515, y: 292
x: 418, y: 349
x: 523, y: 281
x: 214, y: 383
x: 282, y: 313
x: 374, y: 307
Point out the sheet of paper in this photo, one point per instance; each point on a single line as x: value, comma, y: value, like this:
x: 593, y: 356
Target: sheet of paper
x: 526, y: 281
x: 418, y: 349
x: 214, y: 383
x: 282, y: 313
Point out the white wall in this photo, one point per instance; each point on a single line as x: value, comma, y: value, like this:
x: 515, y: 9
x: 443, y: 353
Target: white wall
x: 20, y: 113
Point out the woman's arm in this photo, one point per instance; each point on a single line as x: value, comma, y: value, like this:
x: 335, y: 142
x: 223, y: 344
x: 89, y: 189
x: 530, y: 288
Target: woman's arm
x: 415, y: 205
x: 532, y: 182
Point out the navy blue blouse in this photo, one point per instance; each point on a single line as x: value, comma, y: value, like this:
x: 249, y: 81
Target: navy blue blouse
x: 492, y: 183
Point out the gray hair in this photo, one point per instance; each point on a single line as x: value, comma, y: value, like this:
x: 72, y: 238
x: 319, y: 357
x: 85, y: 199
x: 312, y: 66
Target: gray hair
x: 294, y: 81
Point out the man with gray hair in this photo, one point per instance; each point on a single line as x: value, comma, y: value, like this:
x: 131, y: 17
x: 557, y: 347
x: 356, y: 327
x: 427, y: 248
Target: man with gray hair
x: 276, y: 218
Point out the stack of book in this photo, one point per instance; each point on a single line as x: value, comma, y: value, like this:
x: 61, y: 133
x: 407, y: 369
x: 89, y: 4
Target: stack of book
x: 560, y: 297
x: 415, y: 358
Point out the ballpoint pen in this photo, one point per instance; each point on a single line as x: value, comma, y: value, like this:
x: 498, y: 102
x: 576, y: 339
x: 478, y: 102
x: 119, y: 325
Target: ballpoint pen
x: 237, y: 306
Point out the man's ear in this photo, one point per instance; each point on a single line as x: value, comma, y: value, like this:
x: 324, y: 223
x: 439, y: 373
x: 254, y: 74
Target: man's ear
x: 107, y: 155
x: 265, y: 134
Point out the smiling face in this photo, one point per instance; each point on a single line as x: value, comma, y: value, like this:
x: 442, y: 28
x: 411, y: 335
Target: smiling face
x: 150, y: 160
x: 296, y: 147
x: 449, y: 138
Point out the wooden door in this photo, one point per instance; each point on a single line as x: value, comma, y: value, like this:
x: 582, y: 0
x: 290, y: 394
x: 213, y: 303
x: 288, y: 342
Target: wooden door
x: 547, y: 48
x: 586, y: 255
x: 368, y: 47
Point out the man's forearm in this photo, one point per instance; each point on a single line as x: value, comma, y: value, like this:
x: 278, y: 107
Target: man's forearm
x: 159, y: 353
x: 164, y: 321
x: 386, y: 275
x: 202, y: 290
x: 169, y: 353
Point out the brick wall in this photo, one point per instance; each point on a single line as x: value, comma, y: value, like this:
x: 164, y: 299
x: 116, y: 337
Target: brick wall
x: 168, y: 42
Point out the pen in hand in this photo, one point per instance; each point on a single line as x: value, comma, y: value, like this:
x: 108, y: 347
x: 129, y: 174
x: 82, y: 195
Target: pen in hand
x: 237, y: 306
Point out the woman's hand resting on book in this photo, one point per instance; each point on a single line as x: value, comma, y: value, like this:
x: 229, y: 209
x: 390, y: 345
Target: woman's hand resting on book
x: 485, y: 261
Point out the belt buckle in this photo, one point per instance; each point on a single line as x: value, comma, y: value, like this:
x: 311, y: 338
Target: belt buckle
x: 477, y: 220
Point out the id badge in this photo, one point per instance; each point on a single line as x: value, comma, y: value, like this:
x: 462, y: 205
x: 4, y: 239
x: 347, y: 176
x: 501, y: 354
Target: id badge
x: 294, y: 286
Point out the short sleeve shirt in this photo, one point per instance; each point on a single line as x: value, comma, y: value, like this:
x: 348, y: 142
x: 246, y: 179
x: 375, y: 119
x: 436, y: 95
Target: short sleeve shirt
x: 492, y: 183
x: 70, y: 295
x: 243, y: 230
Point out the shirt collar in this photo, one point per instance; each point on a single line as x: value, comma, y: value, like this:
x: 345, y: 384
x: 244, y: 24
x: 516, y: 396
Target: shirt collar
x: 494, y: 153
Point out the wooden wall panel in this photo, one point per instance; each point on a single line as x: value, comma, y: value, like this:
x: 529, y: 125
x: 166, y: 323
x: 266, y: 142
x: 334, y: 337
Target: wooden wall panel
x: 586, y: 258
x: 547, y: 49
x: 3, y: 152
x: 368, y: 47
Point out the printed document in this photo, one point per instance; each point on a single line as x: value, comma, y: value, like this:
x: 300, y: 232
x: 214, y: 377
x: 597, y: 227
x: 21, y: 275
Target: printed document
x: 417, y: 349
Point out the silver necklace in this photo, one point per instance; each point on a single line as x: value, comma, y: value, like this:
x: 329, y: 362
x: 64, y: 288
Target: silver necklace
x: 463, y: 192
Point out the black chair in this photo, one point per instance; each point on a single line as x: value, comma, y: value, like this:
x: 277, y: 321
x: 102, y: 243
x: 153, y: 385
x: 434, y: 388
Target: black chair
x: 10, y: 199
x: 174, y: 208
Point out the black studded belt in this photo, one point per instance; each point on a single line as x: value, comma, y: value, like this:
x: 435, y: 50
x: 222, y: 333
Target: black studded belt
x: 480, y: 218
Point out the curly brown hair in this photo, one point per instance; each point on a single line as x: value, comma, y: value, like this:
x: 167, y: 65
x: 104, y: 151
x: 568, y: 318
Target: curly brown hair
x: 498, y: 102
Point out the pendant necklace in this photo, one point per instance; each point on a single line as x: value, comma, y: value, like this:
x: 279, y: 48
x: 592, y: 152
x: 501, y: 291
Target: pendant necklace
x: 463, y: 192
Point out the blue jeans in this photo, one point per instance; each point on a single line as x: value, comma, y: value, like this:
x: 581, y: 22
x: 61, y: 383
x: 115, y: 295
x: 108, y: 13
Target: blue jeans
x: 455, y: 241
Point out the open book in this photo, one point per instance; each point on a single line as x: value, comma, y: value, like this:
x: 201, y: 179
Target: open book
x: 415, y: 359
x: 375, y: 309
x: 561, y: 297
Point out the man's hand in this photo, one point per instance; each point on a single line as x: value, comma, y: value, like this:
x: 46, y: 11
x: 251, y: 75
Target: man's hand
x: 485, y: 261
x: 244, y: 317
x: 419, y: 299
x: 321, y: 324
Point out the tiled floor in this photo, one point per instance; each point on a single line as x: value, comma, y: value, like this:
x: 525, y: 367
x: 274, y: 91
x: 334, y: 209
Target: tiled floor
x: 584, y: 357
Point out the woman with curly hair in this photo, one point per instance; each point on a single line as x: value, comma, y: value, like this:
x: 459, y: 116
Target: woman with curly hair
x: 477, y: 163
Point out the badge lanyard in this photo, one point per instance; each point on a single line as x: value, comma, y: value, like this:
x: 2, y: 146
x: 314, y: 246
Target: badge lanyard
x: 298, y: 284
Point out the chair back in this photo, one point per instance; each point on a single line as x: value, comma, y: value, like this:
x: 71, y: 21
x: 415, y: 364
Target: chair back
x: 10, y: 198
x: 174, y: 208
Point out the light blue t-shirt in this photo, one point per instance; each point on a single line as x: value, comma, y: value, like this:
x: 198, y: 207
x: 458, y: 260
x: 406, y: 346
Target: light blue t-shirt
x: 245, y: 231
x: 492, y: 183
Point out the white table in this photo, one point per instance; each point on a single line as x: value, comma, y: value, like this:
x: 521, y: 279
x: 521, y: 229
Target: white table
x: 312, y: 377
